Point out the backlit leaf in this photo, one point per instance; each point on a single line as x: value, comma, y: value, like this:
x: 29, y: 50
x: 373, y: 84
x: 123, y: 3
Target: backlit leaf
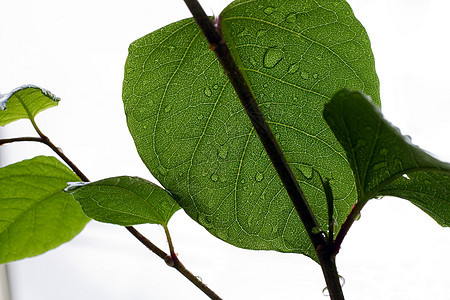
x: 35, y: 214
x: 25, y: 102
x: 126, y: 201
x: 385, y: 162
x: 194, y: 136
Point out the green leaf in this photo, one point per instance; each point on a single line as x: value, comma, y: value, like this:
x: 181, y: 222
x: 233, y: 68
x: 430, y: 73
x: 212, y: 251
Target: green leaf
x: 126, y: 201
x: 383, y: 161
x: 25, y: 102
x: 194, y: 136
x: 35, y: 214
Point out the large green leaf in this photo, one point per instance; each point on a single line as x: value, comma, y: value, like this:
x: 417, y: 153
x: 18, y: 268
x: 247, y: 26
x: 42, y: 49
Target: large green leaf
x: 385, y: 162
x: 193, y: 134
x: 35, y: 214
x: 25, y: 102
x: 126, y: 201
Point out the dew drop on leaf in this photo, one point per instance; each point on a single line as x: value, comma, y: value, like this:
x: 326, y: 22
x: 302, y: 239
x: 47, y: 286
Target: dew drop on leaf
x: 214, y: 177
x: 259, y: 177
x: 293, y: 68
x: 291, y: 18
x: 222, y: 152
x: 269, y: 9
x: 216, y: 86
x: 72, y: 186
x: 315, y: 230
x: 272, y: 57
x: 261, y: 33
x: 305, y: 75
x: 315, y: 76
x: 168, y: 108
x: 162, y: 170
x: 207, y: 91
x: 384, y: 151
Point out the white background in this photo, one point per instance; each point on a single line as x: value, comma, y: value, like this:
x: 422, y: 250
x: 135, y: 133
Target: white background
x: 77, y: 50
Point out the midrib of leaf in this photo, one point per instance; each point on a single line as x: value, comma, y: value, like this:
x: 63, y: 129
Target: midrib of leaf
x: 237, y: 180
x: 301, y: 36
x: 309, y: 135
x: 287, y: 83
x: 200, y: 139
x: 169, y: 81
x: 128, y: 213
x: 389, y: 180
x: 32, y: 206
x: 30, y: 116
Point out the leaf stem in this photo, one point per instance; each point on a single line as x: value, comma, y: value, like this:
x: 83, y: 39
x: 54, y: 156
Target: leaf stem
x: 354, y: 213
x: 218, y: 45
x: 173, y: 261
x: 21, y: 139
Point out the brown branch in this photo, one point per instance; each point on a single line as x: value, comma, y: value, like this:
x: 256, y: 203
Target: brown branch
x: 174, y: 262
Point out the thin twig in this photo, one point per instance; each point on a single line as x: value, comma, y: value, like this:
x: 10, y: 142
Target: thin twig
x: 171, y: 260
x: 354, y: 213
x: 21, y: 139
x: 218, y: 44
x: 174, y: 262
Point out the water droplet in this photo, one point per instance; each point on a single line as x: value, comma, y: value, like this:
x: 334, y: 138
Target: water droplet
x: 214, y: 177
x: 341, y: 282
x: 274, y: 229
x: 216, y: 86
x: 199, y: 278
x: 242, y: 33
x: 73, y: 186
x: 222, y: 234
x: 305, y: 75
x: 162, y: 170
x: 272, y: 57
x: 265, y: 85
x: 261, y: 33
x: 293, y: 68
x: 305, y: 170
x: 168, y: 108
x: 384, y: 151
x: 397, y: 164
x: 315, y: 230
x: 242, y: 181
x: 291, y: 18
x: 207, y: 92
x: 269, y: 9
x: 3, y: 103
x: 361, y: 144
x: 406, y: 176
x: 380, y: 165
x: 315, y: 76
x: 222, y: 152
x: 263, y: 153
x: 358, y: 217
x: 259, y: 177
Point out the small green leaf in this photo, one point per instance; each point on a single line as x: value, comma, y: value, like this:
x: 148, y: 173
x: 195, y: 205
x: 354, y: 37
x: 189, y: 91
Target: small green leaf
x: 383, y: 161
x: 196, y: 139
x: 25, y: 102
x: 35, y: 214
x: 126, y: 201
